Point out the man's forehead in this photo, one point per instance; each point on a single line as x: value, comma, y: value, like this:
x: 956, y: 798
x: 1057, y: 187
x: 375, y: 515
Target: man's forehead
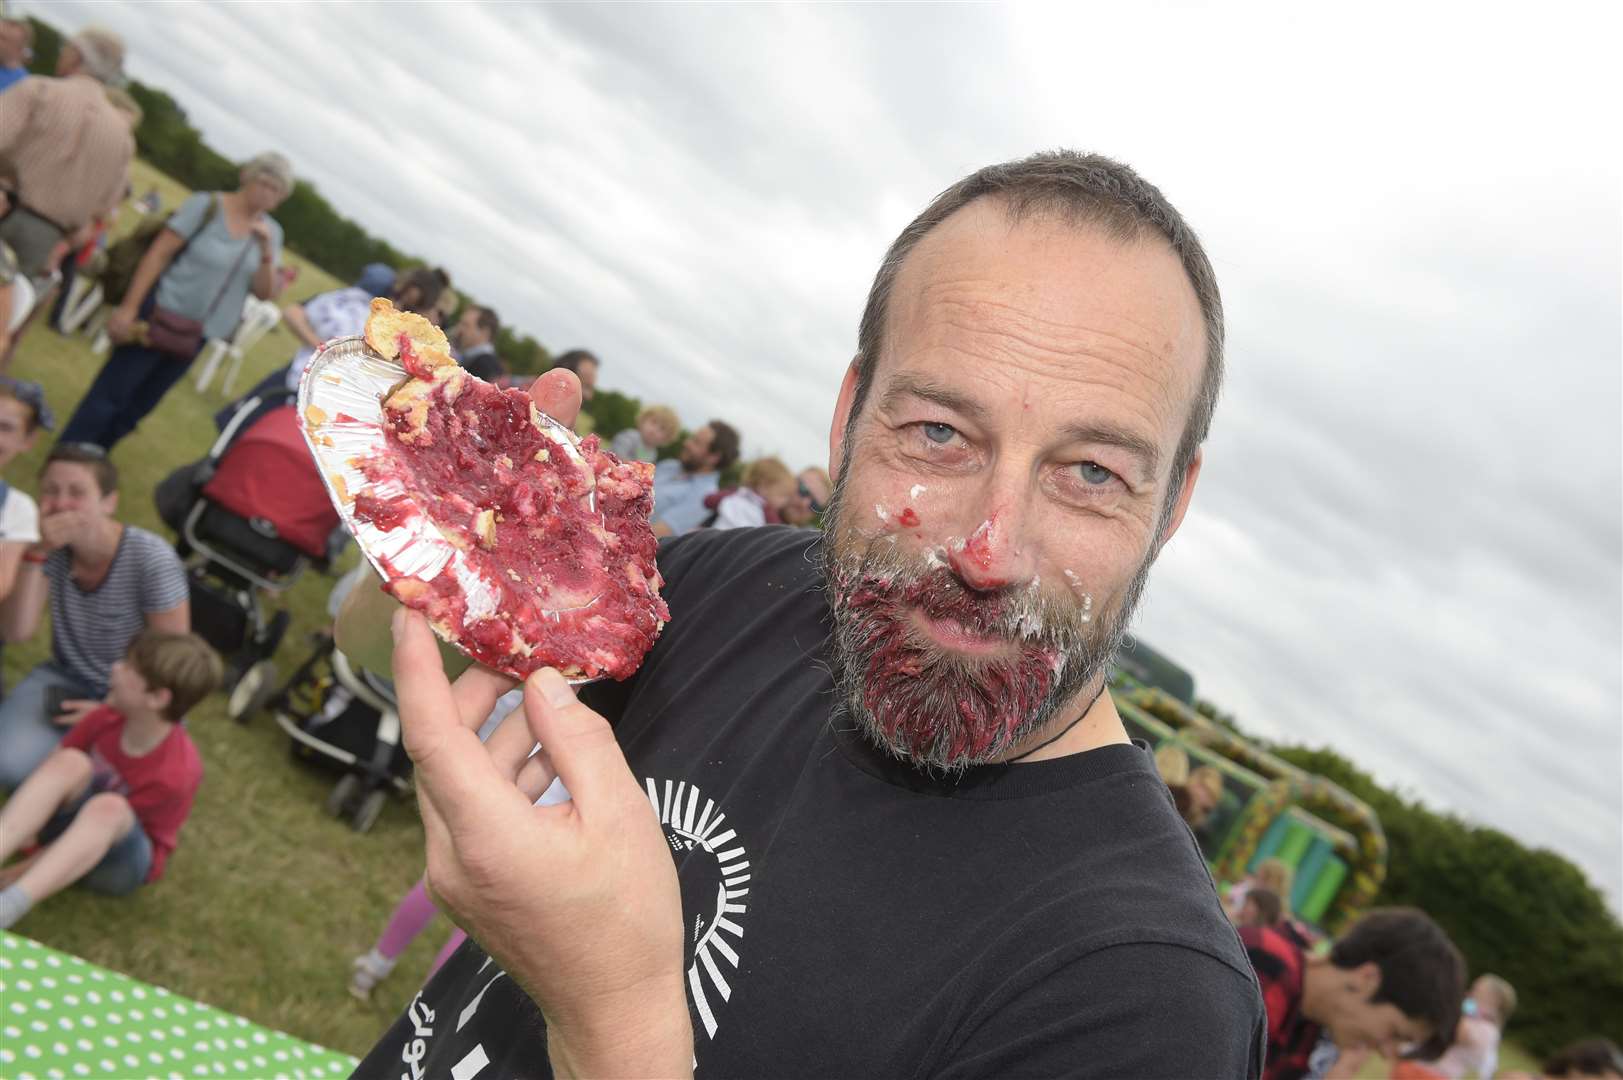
x: 1056, y: 270
x: 1054, y: 287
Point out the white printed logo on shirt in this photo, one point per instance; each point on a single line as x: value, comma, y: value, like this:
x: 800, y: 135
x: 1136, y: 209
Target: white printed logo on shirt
x: 714, y: 893
x: 715, y: 889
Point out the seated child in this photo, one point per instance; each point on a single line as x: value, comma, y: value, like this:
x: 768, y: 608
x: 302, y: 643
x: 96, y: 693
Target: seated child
x: 656, y: 426
x: 765, y: 489
x: 107, y: 805
x: 1475, y: 1050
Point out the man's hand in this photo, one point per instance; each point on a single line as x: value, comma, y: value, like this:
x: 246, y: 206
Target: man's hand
x: 578, y: 902
x: 121, y: 324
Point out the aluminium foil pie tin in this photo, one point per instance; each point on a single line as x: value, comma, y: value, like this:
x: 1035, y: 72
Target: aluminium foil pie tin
x: 340, y: 407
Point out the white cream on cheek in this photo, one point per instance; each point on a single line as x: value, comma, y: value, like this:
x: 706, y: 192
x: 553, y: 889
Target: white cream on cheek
x: 1086, y: 597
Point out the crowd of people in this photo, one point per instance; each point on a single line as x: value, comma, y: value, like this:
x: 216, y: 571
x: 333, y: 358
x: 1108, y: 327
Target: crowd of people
x: 917, y: 799
x: 123, y: 665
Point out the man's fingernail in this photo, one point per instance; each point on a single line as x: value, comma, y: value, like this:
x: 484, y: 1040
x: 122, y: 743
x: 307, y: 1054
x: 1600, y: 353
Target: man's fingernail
x: 554, y: 688
x: 397, y: 624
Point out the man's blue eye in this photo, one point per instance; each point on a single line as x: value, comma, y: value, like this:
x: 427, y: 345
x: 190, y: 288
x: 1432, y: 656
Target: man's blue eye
x: 940, y: 434
x: 1094, y: 473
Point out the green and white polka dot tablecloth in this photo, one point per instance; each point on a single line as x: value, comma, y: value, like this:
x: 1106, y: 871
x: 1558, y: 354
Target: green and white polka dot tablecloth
x: 63, y: 1017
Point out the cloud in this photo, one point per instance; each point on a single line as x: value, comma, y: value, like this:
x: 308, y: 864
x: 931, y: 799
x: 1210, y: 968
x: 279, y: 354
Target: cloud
x: 1406, y: 542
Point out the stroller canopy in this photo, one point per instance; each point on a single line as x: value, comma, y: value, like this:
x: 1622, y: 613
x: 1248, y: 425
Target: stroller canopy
x: 268, y: 473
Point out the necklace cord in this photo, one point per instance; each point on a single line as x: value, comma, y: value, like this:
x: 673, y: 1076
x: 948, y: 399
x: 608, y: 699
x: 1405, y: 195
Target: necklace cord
x: 1062, y: 732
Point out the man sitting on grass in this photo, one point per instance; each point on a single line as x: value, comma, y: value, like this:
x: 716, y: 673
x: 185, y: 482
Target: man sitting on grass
x: 108, y: 804
x: 1391, y: 984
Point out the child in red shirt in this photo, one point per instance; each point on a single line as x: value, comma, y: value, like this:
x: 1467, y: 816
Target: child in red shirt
x: 108, y: 804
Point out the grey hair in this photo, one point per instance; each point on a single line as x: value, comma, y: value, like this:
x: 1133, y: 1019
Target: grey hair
x: 102, y: 53
x: 271, y: 165
x: 1086, y: 189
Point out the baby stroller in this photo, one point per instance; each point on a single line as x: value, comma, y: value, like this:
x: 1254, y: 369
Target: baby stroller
x: 344, y: 717
x: 249, y: 517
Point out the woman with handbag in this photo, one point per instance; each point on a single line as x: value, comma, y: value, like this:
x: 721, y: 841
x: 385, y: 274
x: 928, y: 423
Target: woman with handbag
x: 189, y: 287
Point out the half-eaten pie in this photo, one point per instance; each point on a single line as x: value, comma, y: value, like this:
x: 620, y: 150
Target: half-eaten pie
x: 557, y: 558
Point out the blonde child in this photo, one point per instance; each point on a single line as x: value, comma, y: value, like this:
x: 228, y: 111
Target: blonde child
x: 765, y: 488
x: 656, y: 426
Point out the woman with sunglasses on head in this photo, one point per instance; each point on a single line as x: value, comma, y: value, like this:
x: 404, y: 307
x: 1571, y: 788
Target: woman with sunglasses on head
x: 189, y: 287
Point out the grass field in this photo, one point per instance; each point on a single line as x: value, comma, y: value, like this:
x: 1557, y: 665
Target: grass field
x: 267, y: 899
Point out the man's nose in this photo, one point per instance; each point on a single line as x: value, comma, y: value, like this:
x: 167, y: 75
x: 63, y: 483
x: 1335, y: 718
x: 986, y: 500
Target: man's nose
x: 997, y: 551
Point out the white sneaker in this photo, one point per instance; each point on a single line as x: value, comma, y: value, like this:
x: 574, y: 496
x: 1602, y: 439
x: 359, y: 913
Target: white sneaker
x: 371, y: 968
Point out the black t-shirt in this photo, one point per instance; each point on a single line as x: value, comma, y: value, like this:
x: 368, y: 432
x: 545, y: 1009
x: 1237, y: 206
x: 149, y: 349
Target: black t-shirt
x: 850, y: 916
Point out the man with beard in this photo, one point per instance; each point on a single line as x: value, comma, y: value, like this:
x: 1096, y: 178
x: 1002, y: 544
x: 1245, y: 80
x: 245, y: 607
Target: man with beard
x: 682, y: 483
x: 910, y: 834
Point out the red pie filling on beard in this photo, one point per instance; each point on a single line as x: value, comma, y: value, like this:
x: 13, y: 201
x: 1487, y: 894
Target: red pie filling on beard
x: 564, y: 582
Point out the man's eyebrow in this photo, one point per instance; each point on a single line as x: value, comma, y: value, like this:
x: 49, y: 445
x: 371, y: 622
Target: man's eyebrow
x: 1147, y: 453
x: 907, y: 384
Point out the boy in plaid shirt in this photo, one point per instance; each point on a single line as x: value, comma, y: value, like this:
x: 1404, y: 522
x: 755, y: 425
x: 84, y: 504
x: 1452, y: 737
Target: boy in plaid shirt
x: 1391, y: 984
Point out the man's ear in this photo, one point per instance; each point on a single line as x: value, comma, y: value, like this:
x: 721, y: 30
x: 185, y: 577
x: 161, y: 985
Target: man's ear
x: 109, y: 503
x: 1190, y: 475
x: 1366, y: 979
x: 842, y: 418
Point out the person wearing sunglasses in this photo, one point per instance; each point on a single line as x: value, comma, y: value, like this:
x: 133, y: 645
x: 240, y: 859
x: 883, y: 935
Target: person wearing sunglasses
x: 811, y: 498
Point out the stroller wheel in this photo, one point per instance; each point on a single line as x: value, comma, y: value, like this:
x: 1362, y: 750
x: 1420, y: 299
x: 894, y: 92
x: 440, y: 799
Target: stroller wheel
x: 367, y: 813
x: 344, y: 793
x: 252, y: 692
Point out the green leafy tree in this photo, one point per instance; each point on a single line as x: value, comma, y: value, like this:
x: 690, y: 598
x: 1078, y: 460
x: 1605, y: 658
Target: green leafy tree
x: 47, y: 47
x: 613, y: 411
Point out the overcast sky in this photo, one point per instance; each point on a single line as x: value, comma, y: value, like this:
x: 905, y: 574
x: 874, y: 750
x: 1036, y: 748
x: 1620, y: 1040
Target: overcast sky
x: 1408, y: 539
